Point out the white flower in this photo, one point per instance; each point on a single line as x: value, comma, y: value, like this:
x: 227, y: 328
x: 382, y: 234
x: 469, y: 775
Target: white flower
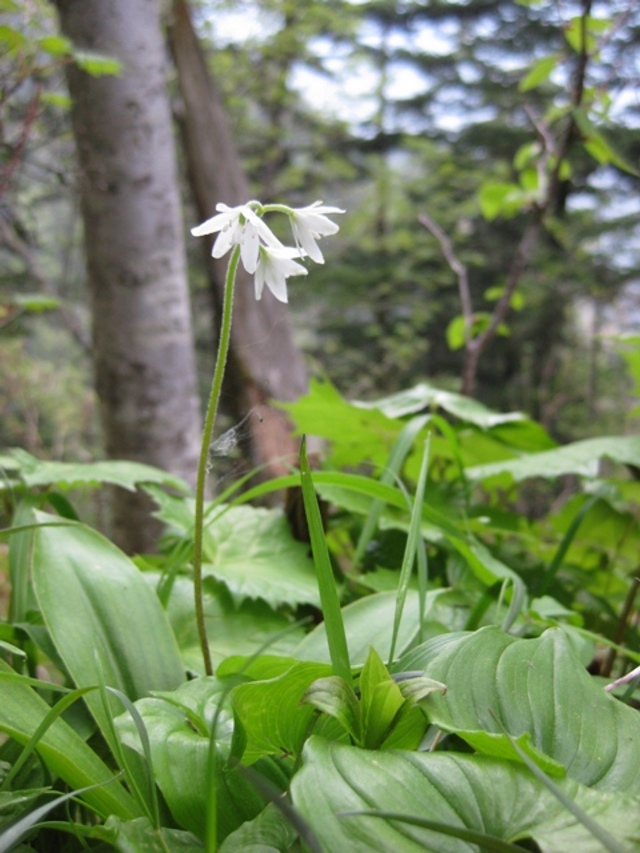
x: 237, y: 226
x: 310, y: 223
x: 275, y: 265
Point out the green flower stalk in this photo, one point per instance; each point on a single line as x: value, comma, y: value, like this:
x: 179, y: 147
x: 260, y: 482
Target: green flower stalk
x: 242, y: 231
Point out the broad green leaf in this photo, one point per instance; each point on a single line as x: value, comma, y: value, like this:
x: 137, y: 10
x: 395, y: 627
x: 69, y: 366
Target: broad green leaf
x: 456, y: 333
x: 101, y: 613
x: 140, y: 836
x: 598, y: 146
x: 581, y: 33
x: 497, y: 682
x: 493, y: 797
x: 367, y: 622
x: 178, y: 726
x: 55, y: 45
x: 269, y: 832
x: 35, y: 303
x: 61, y: 749
x: 500, y: 199
x: 232, y: 629
x: 252, y: 551
x: 38, y: 472
x: 97, y: 64
x: 580, y: 457
x: 539, y: 73
x: 516, y: 302
x: 274, y: 721
x: 12, y: 38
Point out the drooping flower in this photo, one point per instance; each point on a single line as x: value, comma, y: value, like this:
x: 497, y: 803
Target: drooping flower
x: 261, y: 252
x: 237, y: 226
x: 275, y: 265
x: 309, y: 224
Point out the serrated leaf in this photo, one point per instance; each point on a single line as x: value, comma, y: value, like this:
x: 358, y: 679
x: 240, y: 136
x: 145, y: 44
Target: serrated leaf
x: 126, y: 474
x: 424, y: 395
x: 580, y: 457
x: 358, y: 433
x: 251, y: 550
x: 232, y: 629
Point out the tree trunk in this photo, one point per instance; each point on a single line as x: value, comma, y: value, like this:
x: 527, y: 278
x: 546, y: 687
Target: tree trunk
x: 264, y: 361
x: 134, y: 238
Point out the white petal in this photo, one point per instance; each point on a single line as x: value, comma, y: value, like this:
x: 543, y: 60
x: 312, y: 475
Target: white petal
x: 224, y: 241
x: 258, y: 283
x: 211, y: 225
x: 278, y: 286
x: 305, y: 239
x: 249, y: 246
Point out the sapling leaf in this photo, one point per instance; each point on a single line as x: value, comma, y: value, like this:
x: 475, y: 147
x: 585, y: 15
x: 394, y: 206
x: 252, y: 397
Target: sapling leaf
x: 335, y: 697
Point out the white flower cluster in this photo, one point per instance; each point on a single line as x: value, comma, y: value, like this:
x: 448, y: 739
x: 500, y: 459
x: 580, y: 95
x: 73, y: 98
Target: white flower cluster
x: 262, y: 254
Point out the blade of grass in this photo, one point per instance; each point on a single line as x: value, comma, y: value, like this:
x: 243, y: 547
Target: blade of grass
x: 399, y: 452
x: 485, y: 841
x: 336, y: 637
x: 567, y: 539
x: 151, y: 802
x: 59, y: 708
x: 411, y: 548
x: 148, y: 804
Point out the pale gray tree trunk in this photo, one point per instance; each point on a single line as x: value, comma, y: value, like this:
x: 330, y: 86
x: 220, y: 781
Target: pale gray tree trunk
x: 134, y: 237
x: 264, y: 360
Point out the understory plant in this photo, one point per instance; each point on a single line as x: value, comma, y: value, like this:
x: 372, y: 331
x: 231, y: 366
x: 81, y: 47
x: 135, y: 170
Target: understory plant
x: 421, y: 665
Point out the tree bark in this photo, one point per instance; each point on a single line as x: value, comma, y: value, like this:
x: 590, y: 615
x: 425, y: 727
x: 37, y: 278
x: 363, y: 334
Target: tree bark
x: 264, y: 362
x: 134, y: 239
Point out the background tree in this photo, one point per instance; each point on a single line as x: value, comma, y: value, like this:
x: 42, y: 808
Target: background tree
x: 143, y: 347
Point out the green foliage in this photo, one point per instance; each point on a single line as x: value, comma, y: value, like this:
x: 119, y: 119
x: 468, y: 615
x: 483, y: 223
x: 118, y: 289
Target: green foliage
x: 437, y: 709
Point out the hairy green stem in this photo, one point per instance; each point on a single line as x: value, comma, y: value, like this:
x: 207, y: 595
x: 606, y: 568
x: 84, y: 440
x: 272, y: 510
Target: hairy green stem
x: 207, y: 434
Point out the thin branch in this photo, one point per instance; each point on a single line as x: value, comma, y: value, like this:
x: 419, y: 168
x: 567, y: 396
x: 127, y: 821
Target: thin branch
x: 458, y: 268
x: 10, y: 239
x: 16, y: 155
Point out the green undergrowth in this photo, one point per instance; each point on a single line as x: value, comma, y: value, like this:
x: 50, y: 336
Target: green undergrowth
x: 425, y: 671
